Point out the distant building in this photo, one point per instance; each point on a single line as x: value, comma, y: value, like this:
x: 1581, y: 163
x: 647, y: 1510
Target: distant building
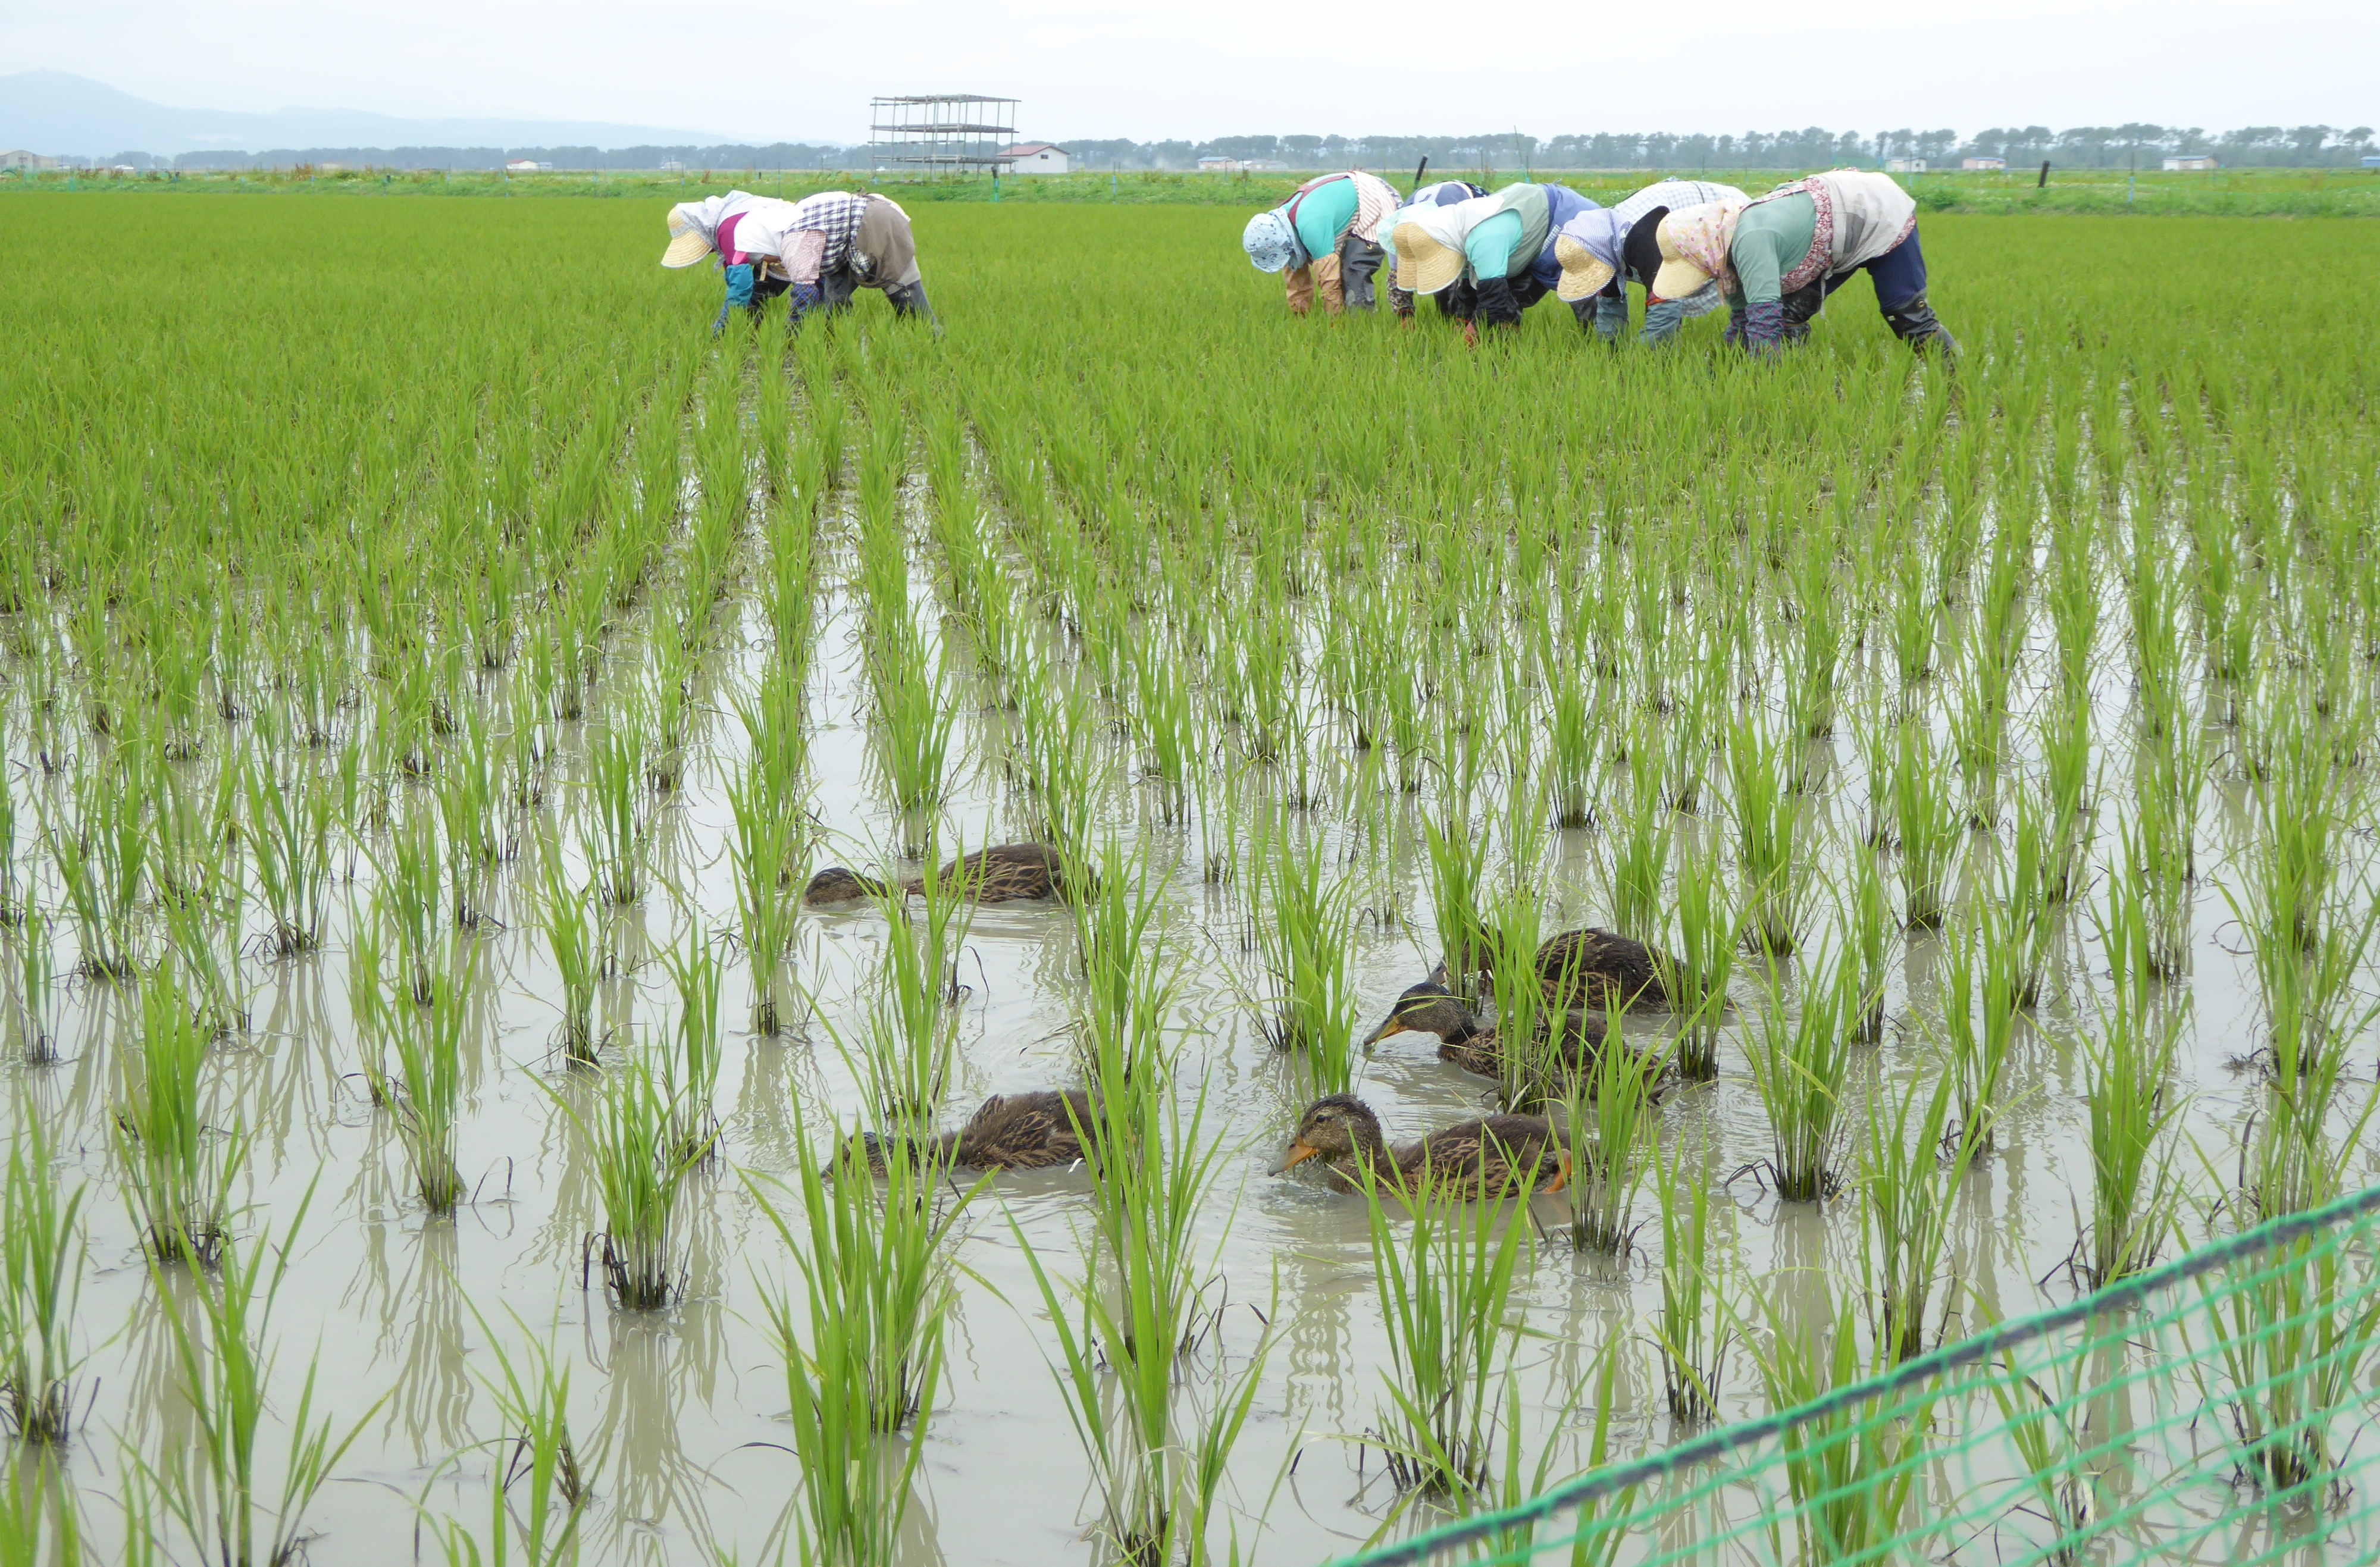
x: 1983, y: 164
x: 1905, y: 165
x: 2193, y: 164
x: 1220, y: 165
x: 2372, y: 163
x: 17, y: 159
x: 670, y: 165
x: 1034, y: 157
x: 527, y: 166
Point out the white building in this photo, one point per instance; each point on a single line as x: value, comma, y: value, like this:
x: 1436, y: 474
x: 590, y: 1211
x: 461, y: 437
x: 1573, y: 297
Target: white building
x: 527, y: 166
x: 17, y: 159
x: 1983, y: 164
x: 2189, y: 165
x: 1034, y: 157
x: 1905, y: 165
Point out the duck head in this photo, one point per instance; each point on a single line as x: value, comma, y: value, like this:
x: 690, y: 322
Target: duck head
x: 1333, y: 1128
x: 1427, y: 1008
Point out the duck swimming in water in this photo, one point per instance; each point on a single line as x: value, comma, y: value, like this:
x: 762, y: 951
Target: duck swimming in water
x: 1490, y: 1157
x: 1472, y: 1044
x: 1003, y: 874
x: 1042, y: 1130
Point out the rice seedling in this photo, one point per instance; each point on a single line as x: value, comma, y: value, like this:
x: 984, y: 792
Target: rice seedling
x: 1704, y: 933
x: 1599, y: 1529
x: 1768, y: 837
x: 424, y: 1092
x: 2134, y: 1189
x: 1445, y: 1287
x: 1978, y: 1051
x: 567, y: 918
x: 767, y: 851
x: 1925, y: 824
x: 1638, y: 850
x: 102, y: 857
x: 1302, y: 932
x: 1457, y: 869
x: 615, y: 832
x: 690, y: 1064
x: 1800, y: 1059
x: 1906, y: 1193
x: 909, y: 1038
x: 630, y: 1133
x: 290, y: 820
x: 36, y: 980
x: 177, y: 1179
x: 43, y: 1252
x: 217, y: 1491
x: 1696, y: 1329
x: 2290, y: 1347
x: 1608, y: 1111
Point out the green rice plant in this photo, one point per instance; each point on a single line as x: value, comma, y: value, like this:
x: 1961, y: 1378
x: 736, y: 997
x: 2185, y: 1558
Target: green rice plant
x: 1597, y: 1530
x: 1872, y: 931
x: 43, y: 1252
x: 2068, y: 786
x: 690, y: 1066
x: 767, y: 851
x: 1609, y: 1112
x: 215, y: 1489
x: 101, y: 856
x: 2292, y: 1347
x: 1570, y: 747
x: 290, y: 820
x: 1926, y: 822
x: 407, y: 899
x: 1166, y: 717
x: 1703, y: 935
x: 615, y: 832
x: 2049, y: 1428
x: 541, y: 1484
x: 1851, y: 1474
x: 468, y: 787
x: 1531, y: 1061
x: 203, y: 932
x: 1456, y: 872
x: 1912, y: 619
x: 424, y: 1091
x: 566, y: 916
x: 1130, y: 982
x: 631, y: 1137
x: 1445, y: 1288
x: 915, y: 714
x: 175, y: 1182
x: 1637, y: 850
x: 36, y: 981
x: 1800, y: 1059
x: 2134, y: 1189
x: 1906, y: 1189
x: 910, y: 1038
x: 1304, y: 928
x: 1696, y: 1330
x: 1769, y: 848
x: 1979, y: 1053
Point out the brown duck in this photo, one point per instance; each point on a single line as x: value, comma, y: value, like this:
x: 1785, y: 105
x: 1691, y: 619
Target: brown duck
x: 1473, y: 1044
x: 1589, y: 968
x: 1488, y: 1157
x: 1042, y: 1130
x: 1003, y: 874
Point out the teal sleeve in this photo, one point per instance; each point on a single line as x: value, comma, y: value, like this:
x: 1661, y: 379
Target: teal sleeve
x: 1490, y: 247
x: 1324, y: 215
x: 1772, y: 237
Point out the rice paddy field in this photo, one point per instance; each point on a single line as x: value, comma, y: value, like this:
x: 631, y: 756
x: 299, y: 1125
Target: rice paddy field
x: 431, y: 668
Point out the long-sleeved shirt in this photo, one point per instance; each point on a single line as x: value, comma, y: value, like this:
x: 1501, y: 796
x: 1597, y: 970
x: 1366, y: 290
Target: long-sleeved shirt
x: 1324, y: 215
x: 1771, y: 239
x: 1508, y: 244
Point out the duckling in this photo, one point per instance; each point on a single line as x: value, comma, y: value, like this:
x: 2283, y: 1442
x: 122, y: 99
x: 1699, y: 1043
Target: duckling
x: 1003, y: 874
x: 1472, y: 1044
x: 1488, y: 1157
x: 1042, y: 1130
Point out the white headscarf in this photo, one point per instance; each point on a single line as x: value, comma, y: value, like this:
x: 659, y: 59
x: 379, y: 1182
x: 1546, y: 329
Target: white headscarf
x: 765, y: 221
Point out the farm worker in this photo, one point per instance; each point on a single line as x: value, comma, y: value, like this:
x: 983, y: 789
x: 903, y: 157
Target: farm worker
x: 1778, y: 257
x: 1494, y: 253
x: 1324, y: 240
x: 816, y: 250
x: 1440, y: 193
x: 1603, y: 249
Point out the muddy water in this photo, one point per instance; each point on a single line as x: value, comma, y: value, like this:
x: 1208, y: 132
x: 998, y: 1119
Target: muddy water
x: 398, y: 1318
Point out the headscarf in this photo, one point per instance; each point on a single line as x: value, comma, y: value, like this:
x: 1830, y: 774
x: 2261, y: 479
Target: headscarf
x: 1701, y: 236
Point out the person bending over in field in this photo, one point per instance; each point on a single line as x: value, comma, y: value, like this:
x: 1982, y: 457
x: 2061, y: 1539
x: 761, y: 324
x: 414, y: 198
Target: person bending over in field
x: 1325, y: 240
x: 1778, y: 257
x: 1495, y: 252
x: 1604, y: 249
x: 817, y: 251
x: 1443, y: 193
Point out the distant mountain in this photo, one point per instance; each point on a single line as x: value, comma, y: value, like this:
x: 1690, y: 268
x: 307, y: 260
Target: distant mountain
x: 61, y: 114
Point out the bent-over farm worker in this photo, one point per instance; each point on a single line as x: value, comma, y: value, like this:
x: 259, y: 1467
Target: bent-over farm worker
x: 1325, y: 240
x: 1604, y: 249
x: 1778, y: 257
x: 816, y: 250
x: 1495, y: 252
x: 1442, y: 194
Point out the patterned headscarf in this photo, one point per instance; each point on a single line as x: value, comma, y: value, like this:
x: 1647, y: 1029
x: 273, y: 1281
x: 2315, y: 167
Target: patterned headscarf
x: 1701, y: 236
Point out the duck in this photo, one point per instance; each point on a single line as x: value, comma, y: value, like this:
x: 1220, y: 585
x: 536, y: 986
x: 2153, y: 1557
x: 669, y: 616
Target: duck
x: 1591, y: 967
x: 1001, y: 874
x: 1488, y: 1157
x: 1470, y: 1042
x: 1044, y: 1129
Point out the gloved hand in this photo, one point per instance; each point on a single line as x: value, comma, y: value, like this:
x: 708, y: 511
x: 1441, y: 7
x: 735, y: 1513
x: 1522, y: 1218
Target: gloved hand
x: 1496, y: 306
x: 1610, y: 317
x: 1764, y: 328
x: 1662, y: 320
x: 1469, y: 331
x: 739, y: 296
x: 1734, y: 337
x: 909, y: 299
x: 1401, y: 301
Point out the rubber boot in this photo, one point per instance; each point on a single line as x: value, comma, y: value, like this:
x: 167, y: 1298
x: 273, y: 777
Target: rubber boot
x: 1915, y: 325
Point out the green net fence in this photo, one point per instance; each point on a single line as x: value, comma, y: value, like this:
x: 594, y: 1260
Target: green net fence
x: 2221, y: 1408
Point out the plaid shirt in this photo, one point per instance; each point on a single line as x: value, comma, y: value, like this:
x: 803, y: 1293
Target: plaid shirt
x: 1673, y: 194
x: 836, y: 214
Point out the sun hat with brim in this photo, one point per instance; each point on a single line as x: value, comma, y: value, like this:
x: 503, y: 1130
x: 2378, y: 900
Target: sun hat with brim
x: 1424, y: 265
x: 687, y: 249
x: 1582, y: 272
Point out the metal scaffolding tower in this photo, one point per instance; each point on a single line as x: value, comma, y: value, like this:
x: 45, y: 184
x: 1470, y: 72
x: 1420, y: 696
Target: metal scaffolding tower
x: 941, y: 133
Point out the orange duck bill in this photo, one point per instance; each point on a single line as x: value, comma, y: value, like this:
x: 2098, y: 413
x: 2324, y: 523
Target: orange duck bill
x: 1299, y: 1153
x: 1562, y: 1173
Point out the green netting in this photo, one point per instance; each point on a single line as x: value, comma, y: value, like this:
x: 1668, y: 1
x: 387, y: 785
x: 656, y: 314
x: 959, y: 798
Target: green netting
x: 2219, y: 1409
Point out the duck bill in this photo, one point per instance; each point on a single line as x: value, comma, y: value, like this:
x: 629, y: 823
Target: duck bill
x: 1388, y: 1026
x: 1562, y: 1173
x: 1298, y: 1154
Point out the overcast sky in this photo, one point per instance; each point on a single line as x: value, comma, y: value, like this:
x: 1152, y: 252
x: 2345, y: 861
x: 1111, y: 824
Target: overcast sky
x: 799, y: 71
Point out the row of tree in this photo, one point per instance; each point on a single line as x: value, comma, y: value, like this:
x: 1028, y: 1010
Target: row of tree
x: 2309, y: 146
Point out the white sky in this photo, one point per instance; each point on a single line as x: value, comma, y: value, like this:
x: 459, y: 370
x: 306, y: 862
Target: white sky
x: 801, y: 71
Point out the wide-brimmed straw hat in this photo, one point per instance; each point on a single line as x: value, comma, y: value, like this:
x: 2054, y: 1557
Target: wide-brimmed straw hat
x: 687, y: 247
x: 1582, y: 272
x: 1425, y: 266
x: 1678, y: 277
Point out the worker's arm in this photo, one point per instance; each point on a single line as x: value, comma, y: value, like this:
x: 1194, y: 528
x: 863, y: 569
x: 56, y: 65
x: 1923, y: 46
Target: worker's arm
x: 739, y: 295
x: 1488, y: 249
x: 1771, y: 238
x: 1299, y: 283
x: 1662, y: 319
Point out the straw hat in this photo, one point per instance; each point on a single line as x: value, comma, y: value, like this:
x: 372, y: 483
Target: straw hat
x: 687, y: 249
x: 1581, y: 273
x: 1425, y: 266
x: 1678, y: 277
